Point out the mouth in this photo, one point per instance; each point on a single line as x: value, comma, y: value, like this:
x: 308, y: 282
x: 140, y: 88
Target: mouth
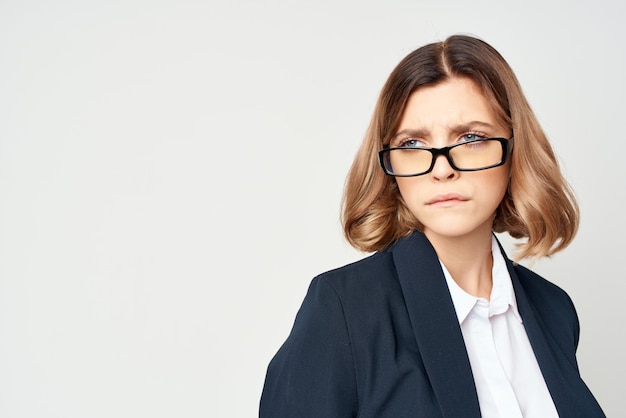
x: 447, y: 199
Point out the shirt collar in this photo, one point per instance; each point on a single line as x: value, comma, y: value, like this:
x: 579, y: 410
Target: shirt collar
x: 502, y: 293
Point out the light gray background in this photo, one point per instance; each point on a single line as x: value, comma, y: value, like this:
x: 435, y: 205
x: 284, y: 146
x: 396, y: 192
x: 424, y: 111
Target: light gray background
x: 171, y: 172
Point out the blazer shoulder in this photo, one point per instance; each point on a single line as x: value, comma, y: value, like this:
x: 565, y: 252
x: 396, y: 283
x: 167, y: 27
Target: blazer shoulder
x: 313, y: 374
x: 369, y: 275
x: 378, y: 260
x: 537, y: 287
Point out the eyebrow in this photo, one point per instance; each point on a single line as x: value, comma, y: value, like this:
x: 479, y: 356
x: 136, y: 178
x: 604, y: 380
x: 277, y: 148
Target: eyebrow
x: 457, y: 129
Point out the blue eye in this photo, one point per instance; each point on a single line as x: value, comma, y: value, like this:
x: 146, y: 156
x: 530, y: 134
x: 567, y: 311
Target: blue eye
x: 471, y: 137
x: 411, y: 143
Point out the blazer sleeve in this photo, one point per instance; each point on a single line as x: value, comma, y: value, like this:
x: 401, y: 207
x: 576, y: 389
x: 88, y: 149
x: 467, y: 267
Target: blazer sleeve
x: 313, y: 374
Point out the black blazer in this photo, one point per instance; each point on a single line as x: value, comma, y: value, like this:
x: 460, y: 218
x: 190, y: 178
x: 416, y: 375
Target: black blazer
x: 380, y: 338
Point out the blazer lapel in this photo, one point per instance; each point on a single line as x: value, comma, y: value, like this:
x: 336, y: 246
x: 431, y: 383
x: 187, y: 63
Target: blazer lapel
x: 569, y: 393
x: 436, y: 326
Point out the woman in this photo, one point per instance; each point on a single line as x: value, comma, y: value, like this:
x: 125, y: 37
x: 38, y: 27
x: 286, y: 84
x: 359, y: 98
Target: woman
x: 439, y: 322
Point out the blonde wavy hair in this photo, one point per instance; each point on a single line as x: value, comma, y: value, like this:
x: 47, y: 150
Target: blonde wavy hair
x: 538, y: 205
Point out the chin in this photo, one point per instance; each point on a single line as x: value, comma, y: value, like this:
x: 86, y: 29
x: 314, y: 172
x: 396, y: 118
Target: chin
x: 456, y: 229
x: 449, y: 233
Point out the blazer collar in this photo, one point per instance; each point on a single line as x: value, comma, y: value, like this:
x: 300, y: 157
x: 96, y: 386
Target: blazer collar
x: 435, y: 324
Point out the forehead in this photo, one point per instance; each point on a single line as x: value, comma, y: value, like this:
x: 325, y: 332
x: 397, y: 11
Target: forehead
x: 455, y: 101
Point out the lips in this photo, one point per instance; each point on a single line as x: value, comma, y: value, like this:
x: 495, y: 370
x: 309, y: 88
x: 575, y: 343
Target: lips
x: 447, y: 198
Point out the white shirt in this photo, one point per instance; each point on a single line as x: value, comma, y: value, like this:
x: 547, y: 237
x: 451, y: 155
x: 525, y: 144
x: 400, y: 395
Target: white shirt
x: 508, y: 380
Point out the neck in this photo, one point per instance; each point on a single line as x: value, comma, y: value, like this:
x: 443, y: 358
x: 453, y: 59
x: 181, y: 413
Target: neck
x: 468, y: 259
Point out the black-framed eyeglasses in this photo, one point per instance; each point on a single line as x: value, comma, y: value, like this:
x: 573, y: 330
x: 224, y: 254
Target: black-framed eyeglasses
x: 475, y: 155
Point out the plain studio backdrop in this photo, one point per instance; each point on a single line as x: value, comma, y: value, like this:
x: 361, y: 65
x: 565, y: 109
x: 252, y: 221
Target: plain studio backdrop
x: 171, y: 174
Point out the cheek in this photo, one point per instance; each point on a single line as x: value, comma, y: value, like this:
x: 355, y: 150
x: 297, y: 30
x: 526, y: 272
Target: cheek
x: 409, y: 188
x: 497, y: 182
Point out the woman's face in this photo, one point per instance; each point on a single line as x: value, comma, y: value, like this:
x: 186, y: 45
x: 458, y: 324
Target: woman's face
x: 447, y: 202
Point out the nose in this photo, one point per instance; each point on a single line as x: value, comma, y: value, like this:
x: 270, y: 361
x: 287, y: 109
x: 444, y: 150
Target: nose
x: 443, y: 170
